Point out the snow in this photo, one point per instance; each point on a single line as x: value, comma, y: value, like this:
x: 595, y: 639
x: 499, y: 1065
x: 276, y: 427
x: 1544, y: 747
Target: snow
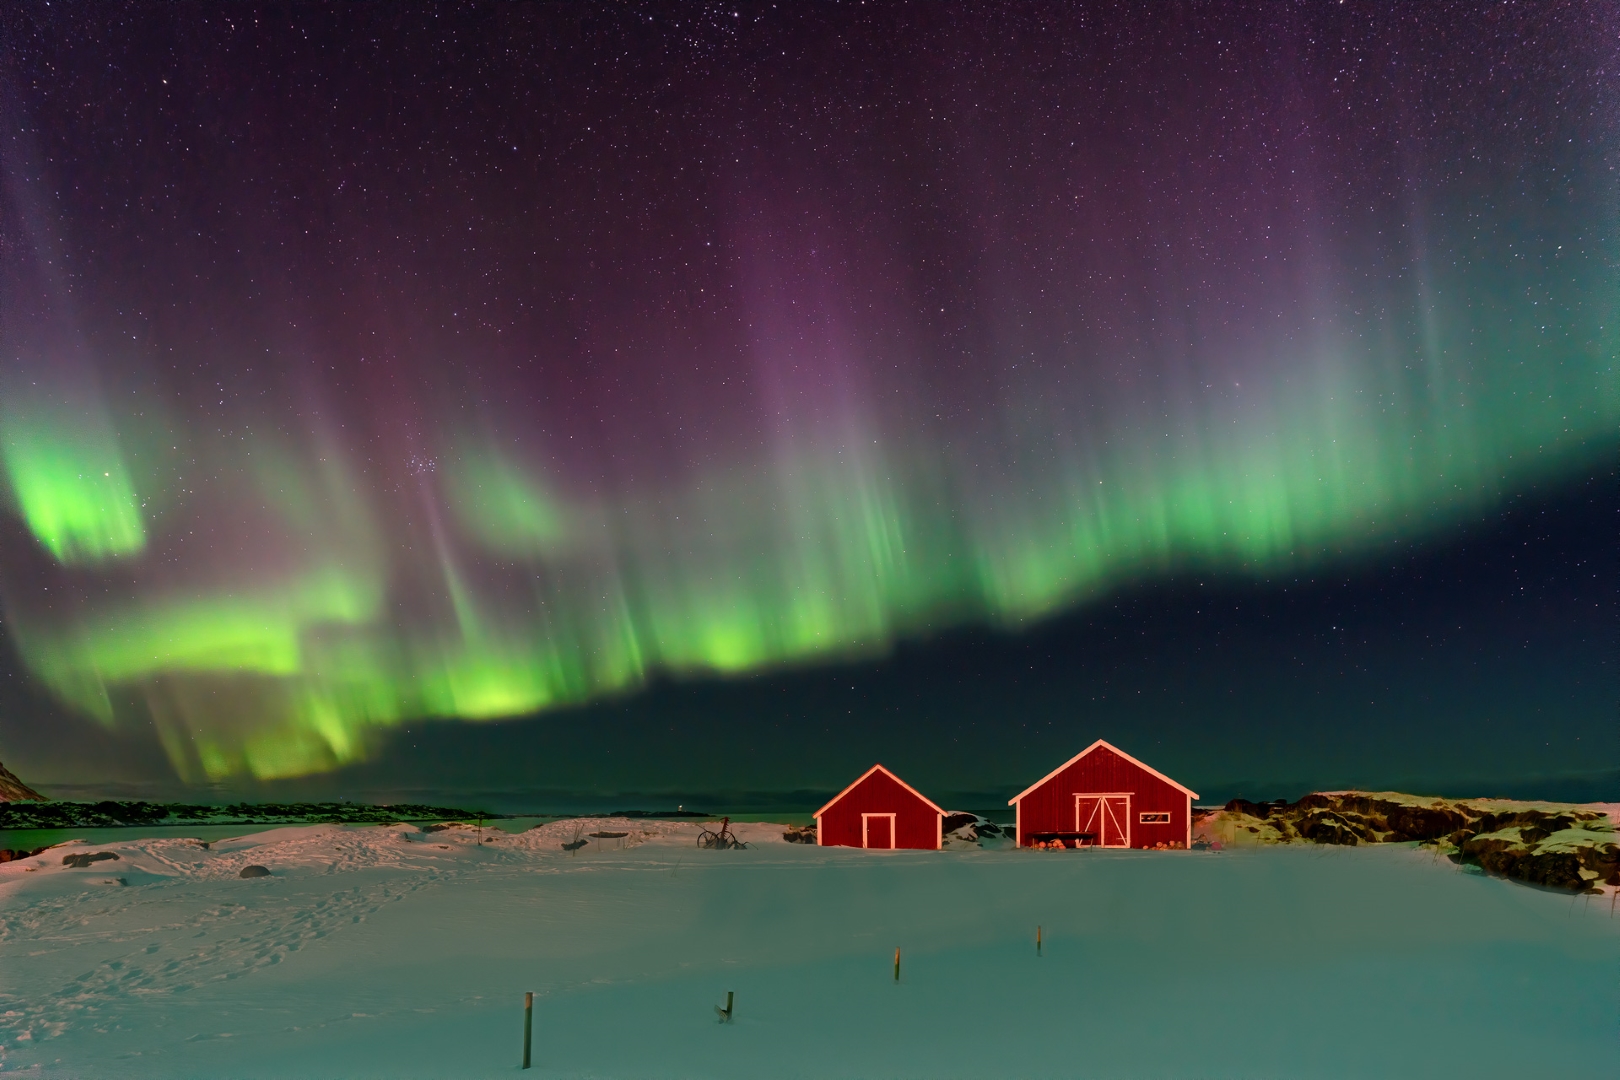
x: 1575, y: 839
x: 389, y: 951
x: 1488, y: 806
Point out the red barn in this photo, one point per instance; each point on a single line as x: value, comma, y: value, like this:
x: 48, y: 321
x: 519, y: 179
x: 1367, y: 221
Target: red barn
x: 1103, y: 797
x: 880, y: 810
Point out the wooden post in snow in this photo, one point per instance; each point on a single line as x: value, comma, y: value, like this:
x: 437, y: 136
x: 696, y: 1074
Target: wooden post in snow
x: 897, y: 963
x: 1037, y: 940
x: 528, y: 1024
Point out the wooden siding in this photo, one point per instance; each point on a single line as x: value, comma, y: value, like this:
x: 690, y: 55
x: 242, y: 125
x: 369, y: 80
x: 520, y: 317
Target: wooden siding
x: 916, y: 823
x: 1051, y: 807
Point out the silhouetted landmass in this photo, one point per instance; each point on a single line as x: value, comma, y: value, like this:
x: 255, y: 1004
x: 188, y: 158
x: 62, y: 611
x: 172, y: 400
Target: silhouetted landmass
x: 14, y: 790
x: 660, y: 814
x: 76, y: 815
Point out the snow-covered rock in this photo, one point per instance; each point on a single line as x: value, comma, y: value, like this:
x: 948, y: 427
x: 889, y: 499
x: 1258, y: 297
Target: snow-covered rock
x: 1560, y: 845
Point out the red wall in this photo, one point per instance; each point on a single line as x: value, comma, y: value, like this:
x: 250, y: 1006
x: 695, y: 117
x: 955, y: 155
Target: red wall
x: 916, y: 824
x: 1050, y: 807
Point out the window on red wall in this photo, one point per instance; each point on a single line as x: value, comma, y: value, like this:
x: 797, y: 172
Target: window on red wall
x: 1154, y: 817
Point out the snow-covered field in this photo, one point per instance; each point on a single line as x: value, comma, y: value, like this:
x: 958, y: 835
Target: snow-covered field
x: 389, y: 952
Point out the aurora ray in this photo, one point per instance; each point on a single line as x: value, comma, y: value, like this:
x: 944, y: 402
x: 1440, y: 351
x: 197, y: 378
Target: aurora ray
x: 565, y: 424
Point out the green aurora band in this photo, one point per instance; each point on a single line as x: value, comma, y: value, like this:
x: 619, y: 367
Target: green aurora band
x: 274, y: 551
x: 826, y: 552
x: 70, y: 483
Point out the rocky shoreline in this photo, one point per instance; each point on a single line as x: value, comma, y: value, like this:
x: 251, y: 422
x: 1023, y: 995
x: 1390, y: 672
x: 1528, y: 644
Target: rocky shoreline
x: 1562, y: 846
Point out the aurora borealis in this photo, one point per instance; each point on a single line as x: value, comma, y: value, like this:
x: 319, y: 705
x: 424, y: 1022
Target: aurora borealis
x: 362, y: 366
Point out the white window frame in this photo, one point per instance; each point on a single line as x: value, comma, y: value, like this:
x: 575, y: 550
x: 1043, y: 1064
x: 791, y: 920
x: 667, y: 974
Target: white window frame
x: 1161, y: 817
x: 893, y: 839
x: 1126, y: 795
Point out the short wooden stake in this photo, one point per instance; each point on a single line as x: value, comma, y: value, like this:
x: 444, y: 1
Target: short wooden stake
x: 528, y: 1024
x: 1037, y: 940
x: 725, y: 1013
x: 897, y: 963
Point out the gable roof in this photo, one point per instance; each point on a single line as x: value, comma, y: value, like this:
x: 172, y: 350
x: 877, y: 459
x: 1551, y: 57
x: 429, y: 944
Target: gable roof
x: 1107, y: 746
x: 860, y: 779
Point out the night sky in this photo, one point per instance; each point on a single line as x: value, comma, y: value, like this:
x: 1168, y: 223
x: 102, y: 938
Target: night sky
x: 568, y: 402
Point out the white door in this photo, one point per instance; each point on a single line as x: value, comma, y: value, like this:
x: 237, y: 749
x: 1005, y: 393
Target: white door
x: 877, y: 831
x: 1106, y: 816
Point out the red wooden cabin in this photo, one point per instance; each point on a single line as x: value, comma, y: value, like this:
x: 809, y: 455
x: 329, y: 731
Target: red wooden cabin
x: 880, y: 810
x: 1103, y: 797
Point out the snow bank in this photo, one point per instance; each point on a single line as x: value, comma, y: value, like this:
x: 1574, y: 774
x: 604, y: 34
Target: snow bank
x: 399, y: 952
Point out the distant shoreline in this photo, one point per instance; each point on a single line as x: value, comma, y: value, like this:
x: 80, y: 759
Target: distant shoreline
x: 113, y: 814
x: 141, y: 814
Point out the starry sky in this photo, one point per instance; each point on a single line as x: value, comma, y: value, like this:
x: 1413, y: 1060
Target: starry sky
x: 711, y: 399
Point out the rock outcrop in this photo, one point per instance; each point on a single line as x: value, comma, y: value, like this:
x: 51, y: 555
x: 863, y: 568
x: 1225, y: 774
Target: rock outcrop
x: 1556, y: 845
x: 961, y: 830
x: 13, y: 854
x: 14, y: 790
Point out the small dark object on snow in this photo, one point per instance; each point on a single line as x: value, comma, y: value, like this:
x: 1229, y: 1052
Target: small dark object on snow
x: 85, y: 858
x: 722, y: 839
x: 610, y: 835
x: 255, y: 870
x: 575, y: 845
x: 528, y: 1025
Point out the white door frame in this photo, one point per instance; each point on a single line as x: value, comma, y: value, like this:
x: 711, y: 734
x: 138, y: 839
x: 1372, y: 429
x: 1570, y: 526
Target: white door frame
x: 865, y: 843
x: 1126, y: 795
